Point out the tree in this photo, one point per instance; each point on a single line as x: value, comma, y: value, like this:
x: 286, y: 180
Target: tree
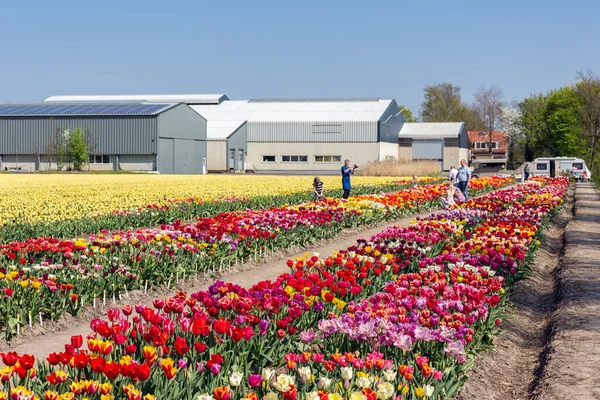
x: 488, y: 103
x: 443, y: 104
x: 472, y: 119
x: 563, y: 123
x: 407, y: 114
x: 510, y: 124
x: 587, y: 90
x: 77, y: 149
x: 534, y: 127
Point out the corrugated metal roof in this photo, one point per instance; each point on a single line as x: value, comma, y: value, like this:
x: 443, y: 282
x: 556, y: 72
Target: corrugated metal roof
x: 312, y: 100
x: 81, y: 109
x: 431, y: 130
x: 296, y: 111
x: 147, y: 98
x: 220, y: 130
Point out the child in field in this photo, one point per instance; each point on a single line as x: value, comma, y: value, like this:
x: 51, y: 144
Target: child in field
x: 453, y: 196
x: 318, y: 188
x: 414, y: 182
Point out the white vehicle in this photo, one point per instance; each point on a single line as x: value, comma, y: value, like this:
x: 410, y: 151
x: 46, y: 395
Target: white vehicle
x: 556, y: 166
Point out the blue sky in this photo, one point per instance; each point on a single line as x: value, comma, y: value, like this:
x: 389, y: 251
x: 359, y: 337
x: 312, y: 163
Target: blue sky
x: 247, y: 49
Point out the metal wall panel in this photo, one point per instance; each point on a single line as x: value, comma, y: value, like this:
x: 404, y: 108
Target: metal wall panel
x: 390, y: 124
x: 109, y: 135
x: 355, y: 131
x: 165, y: 156
x: 428, y: 149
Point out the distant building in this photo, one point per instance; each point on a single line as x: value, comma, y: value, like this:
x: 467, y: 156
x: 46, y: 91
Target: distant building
x: 443, y: 142
x: 279, y: 135
x: 165, y: 138
x: 300, y: 135
x: 486, y: 153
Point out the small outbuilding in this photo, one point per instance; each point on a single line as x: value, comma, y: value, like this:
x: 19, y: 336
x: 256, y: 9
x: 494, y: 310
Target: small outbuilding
x: 444, y: 142
x: 160, y: 137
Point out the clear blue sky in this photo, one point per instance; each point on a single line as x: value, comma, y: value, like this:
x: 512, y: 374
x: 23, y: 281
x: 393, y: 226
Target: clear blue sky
x: 293, y: 49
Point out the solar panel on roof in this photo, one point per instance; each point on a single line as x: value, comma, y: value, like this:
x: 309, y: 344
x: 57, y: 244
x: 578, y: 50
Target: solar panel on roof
x: 70, y: 109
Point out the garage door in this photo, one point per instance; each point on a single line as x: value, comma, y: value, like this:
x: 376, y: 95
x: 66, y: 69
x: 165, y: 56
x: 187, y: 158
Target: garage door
x: 428, y: 150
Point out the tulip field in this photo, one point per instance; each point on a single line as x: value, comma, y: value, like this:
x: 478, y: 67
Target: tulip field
x: 67, y: 206
x: 400, y: 315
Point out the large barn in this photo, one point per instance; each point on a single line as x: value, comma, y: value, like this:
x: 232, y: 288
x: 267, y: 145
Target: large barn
x: 300, y: 135
x: 166, y: 138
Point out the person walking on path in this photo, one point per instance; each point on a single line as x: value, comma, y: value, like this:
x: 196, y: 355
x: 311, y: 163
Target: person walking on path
x: 347, y: 170
x: 464, y: 177
x: 318, y: 188
x: 452, y: 174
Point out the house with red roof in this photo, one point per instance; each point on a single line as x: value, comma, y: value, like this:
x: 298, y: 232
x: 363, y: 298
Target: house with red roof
x: 488, y: 152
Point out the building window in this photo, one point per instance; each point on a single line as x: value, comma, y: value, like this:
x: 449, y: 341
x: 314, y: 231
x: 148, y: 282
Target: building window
x: 541, y: 167
x: 327, y: 128
x: 268, y: 158
x: 485, y: 145
x: 294, y: 159
x: 451, y: 142
x: 99, y: 159
x: 405, y: 142
x: 328, y: 159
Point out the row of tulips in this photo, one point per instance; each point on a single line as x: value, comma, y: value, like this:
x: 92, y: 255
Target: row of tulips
x: 46, y: 277
x: 171, y: 209
x: 398, y: 316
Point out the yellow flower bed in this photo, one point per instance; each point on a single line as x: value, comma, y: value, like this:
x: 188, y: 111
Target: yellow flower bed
x: 49, y: 198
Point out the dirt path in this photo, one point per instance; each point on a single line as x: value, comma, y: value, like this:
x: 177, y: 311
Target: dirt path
x: 40, y: 341
x: 508, y: 370
x: 551, y: 345
x: 571, y: 368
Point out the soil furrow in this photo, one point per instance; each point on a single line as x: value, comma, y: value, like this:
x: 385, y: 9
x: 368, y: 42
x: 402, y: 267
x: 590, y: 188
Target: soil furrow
x: 513, y: 367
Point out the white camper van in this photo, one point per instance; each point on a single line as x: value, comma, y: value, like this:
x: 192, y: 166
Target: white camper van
x: 555, y: 166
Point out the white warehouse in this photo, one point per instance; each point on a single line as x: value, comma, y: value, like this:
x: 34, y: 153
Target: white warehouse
x: 312, y: 135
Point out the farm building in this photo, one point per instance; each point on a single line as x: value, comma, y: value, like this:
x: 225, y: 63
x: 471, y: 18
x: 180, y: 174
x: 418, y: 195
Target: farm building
x: 167, y: 138
x: 189, y: 99
x: 274, y: 135
x: 311, y: 135
x: 444, y: 142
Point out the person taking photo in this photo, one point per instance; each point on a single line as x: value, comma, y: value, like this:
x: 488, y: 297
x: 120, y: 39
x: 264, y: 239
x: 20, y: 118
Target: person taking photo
x: 347, y: 170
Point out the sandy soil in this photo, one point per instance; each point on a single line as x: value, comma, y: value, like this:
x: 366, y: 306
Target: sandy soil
x: 40, y: 341
x: 573, y: 362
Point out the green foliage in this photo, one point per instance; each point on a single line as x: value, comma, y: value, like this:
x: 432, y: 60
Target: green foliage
x: 534, y: 127
x: 77, y: 149
x: 563, y: 121
x: 443, y: 104
x: 407, y: 114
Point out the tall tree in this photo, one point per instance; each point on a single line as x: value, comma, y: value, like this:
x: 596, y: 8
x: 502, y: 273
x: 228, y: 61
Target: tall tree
x: 510, y: 124
x: 407, y: 114
x: 563, y: 122
x: 534, y: 127
x: 488, y: 103
x: 471, y: 118
x: 587, y: 89
x: 443, y: 104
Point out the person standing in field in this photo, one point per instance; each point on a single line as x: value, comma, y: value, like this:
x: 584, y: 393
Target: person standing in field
x: 463, y: 178
x: 415, y: 183
x: 318, y: 188
x: 452, y: 174
x: 526, y: 172
x: 347, y: 170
